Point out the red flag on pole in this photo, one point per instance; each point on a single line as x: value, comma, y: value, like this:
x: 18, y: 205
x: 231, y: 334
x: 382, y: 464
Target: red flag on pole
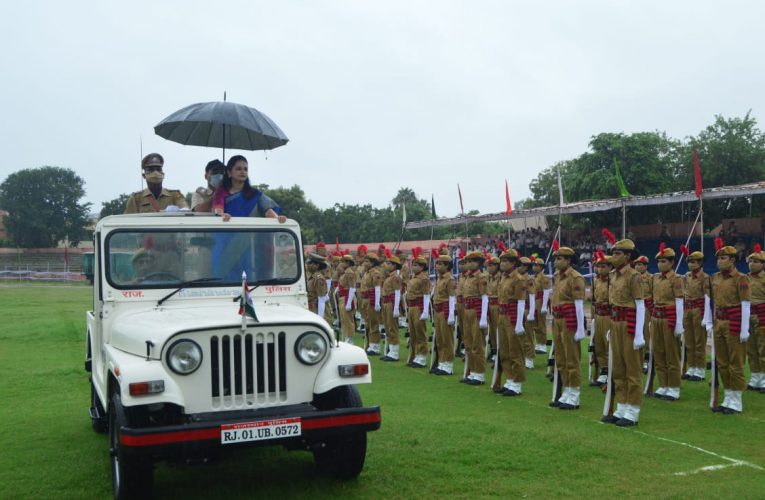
x: 697, y: 172
x: 337, y: 243
x: 462, y: 207
x: 509, y: 206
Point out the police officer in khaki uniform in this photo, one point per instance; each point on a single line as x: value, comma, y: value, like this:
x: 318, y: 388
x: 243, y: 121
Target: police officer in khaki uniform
x: 543, y: 287
x: 475, y: 310
x: 371, y: 283
x: 346, y: 292
x: 641, y: 266
x: 697, y: 312
x: 601, y: 315
x: 391, y: 301
x: 731, y: 296
x: 512, y: 307
x: 756, y: 343
x: 316, y: 285
x: 568, y: 326
x: 418, y: 302
x: 528, y: 339
x: 444, y: 304
x: 492, y: 278
x: 666, y: 326
x: 625, y: 294
x: 329, y: 310
x: 154, y: 198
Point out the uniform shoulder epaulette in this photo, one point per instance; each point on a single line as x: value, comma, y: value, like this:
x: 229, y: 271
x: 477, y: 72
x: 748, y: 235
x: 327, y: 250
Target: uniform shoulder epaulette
x: 137, y: 193
x: 174, y: 191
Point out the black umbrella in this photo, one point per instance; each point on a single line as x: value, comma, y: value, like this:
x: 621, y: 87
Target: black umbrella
x: 226, y: 125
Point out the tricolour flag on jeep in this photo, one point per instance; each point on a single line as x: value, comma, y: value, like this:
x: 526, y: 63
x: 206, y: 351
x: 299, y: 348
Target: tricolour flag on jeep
x: 246, y: 305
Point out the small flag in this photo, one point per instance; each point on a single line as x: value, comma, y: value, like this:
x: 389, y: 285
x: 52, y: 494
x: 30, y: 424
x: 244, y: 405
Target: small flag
x: 509, y: 206
x: 620, y: 182
x: 560, y: 189
x: 246, y: 305
x: 697, y: 172
x: 462, y: 207
x: 433, y: 207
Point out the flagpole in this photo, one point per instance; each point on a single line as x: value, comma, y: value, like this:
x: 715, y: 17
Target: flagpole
x: 701, y: 220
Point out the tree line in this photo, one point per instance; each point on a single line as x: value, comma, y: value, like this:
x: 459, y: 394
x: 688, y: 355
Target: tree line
x: 731, y: 151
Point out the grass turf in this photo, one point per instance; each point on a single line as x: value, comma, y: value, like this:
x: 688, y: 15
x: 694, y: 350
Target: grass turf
x: 439, y: 438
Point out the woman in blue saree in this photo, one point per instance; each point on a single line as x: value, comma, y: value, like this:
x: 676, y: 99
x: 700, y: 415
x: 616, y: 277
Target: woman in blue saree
x: 232, y: 253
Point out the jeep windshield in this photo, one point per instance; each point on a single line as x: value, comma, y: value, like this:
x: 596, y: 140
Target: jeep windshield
x: 165, y: 258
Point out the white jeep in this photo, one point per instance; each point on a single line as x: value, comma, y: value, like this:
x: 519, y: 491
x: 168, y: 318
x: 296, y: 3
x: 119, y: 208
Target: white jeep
x: 178, y: 373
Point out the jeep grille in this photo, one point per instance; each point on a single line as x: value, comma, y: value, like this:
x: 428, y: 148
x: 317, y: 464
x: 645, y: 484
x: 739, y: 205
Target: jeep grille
x: 248, y: 370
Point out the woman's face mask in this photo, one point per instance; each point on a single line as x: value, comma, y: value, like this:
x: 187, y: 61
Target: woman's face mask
x: 693, y: 265
x: 154, y: 177
x: 619, y: 259
x: 215, y: 180
x: 755, y: 266
x: 724, y: 263
x: 664, y: 265
x: 561, y: 263
x: 505, y: 266
x: 602, y: 270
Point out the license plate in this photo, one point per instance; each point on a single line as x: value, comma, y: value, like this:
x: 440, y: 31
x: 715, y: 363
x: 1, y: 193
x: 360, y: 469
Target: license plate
x: 260, y: 431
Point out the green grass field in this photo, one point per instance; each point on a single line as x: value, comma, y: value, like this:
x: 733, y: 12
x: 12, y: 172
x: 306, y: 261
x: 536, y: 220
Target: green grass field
x: 438, y: 438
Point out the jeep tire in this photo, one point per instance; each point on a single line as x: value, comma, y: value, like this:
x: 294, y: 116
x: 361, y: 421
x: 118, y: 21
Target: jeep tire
x: 132, y: 477
x: 341, y: 457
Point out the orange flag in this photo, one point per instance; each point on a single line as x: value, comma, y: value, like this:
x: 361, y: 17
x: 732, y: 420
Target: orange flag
x: 509, y: 207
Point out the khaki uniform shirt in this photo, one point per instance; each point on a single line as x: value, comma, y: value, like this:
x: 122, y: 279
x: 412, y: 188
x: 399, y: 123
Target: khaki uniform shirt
x: 493, y: 283
x: 530, y: 288
x: 511, y: 287
x: 391, y: 284
x: 647, y: 284
x: 200, y: 196
x: 445, y: 288
x: 371, y: 279
x: 568, y: 286
x: 600, y: 289
x: 625, y: 287
x: 460, y: 284
x: 348, y: 279
x: 541, y: 283
x: 730, y: 289
x: 316, y: 287
x: 696, y: 285
x: 757, y: 287
x: 474, y: 285
x: 666, y: 288
x: 359, y: 270
x: 419, y: 285
x: 139, y: 203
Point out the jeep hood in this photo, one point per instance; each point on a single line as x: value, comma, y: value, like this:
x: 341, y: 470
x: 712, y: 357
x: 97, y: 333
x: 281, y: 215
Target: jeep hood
x: 132, y: 330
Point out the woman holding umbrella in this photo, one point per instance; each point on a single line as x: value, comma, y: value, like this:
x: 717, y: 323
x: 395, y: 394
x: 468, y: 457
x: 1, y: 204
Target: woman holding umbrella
x: 235, y: 197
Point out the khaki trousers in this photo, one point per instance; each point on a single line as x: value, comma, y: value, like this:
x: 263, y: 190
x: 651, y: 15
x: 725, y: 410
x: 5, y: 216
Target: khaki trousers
x: 730, y: 354
x: 567, y: 354
x: 474, y: 342
x: 627, y: 366
x: 756, y: 348
x: 391, y: 323
x: 417, y: 331
x: 511, y: 351
x: 602, y: 325
x: 347, y: 325
x: 493, y: 325
x: 370, y: 319
x: 444, y: 338
x: 527, y: 339
x: 540, y: 325
x: 666, y: 353
x: 695, y: 338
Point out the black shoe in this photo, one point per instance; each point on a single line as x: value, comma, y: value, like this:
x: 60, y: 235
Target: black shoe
x: 659, y: 396
x: 441, y: 372
x: 566, y: 406
x: 474, y: 381
x: 387, y: 358
x: 510, y: 393
x: 729, y: 411
x: 718, y: 409
x: 686, y: 376
x: 499, y: 390
x: 372, y: 353
x: 695, y: 378
x: 434, y: 370
x: 596, y: 384
x: 609, y: 419
x: 464, y: 380
x: 625, y: 422
x: 750, y: 387
x: 669, y: 398
x: 554, y: 404
x: 416, y: 365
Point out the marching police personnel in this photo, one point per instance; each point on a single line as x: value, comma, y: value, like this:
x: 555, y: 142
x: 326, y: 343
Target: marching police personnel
x: 568, y: 325
x: 316, y: 285
x: 667, y: 288
x: 444, y: 303
x: 370, y: 291
x: 543, y: 288
x: 625, y: 294
x: 528, y: 339
x: 492, y: 279
x: 512, y: 304
x: 346, y: 291
x: 154, y: 198
x: 641, y: 266
x: 756, y: 343
x: 731, y: 294
x: 418, y: 302
x: 601, y: 311
x: 476, y: 307
x: 697, y: 313
x: 391, y: 301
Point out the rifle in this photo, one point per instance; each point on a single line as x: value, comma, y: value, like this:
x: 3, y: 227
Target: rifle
x: 592, y: 367
x: 608, y: 404
x: 433, y: 344
x: 714, y: 397
x: 651, y: 372
x: 496, y: 377
x: 557, y: 380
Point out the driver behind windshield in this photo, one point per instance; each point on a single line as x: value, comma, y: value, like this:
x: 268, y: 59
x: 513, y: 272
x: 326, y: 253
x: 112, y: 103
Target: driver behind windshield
x: 144, y: 264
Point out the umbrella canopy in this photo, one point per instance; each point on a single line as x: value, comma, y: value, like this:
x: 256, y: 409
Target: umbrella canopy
x: 226, y: 125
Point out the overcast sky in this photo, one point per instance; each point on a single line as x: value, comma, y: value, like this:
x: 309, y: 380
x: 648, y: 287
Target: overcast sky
x: 373, y: 95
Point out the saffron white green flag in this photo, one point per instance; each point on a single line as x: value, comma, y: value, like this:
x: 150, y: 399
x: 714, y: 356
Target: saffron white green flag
x: 246, y: 305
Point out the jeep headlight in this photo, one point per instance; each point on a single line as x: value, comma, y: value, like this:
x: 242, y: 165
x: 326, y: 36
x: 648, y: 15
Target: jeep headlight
x: 310, y: 348
x: 184, y: 357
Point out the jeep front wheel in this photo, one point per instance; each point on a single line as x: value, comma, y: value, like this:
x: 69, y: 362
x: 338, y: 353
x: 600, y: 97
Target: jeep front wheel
x: 131, y: 476
x: 342, y: 456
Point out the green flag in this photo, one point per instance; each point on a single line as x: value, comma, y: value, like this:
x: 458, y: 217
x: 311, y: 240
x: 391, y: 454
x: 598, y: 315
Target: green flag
x: 433, y: 207
x: 620, y: 182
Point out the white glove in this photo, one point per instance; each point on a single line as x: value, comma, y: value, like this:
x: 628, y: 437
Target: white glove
x: 579, y: 305
x: 710, y: 331
x: 452, y: 303
x: 608, y: 336
x: 745, y: 314
x: 396, y: 303
x: 425, y: 307
x: 707, y: 319
x: 639, y: 341
x: 679, y: 310
x: 519, y: 330
x: 349, y: 302
x: 322, y: 303
x: 532, y: 308
x: 546, y: 300
x: 377, y: 299
x: 484, y: 310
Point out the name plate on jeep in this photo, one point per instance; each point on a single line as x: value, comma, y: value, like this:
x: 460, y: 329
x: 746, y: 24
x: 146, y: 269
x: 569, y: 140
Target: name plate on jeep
x: 260, y: 431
